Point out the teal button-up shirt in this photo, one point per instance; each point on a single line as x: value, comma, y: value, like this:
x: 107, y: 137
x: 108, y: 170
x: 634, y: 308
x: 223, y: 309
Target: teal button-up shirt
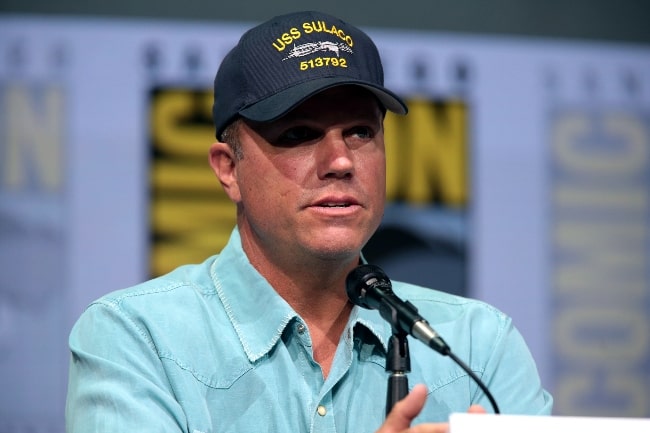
x: 213, y: 348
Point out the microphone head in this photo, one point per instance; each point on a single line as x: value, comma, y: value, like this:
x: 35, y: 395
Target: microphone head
x: 360, y: 284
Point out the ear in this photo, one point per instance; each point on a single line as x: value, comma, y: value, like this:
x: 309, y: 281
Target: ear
x: 224, y: 165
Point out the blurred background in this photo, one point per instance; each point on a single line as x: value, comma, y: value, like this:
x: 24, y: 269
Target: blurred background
x: 521, y: 175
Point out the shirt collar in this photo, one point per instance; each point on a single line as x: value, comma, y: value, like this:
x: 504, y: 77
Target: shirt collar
x: 258, y: 314
x: 373, y: 321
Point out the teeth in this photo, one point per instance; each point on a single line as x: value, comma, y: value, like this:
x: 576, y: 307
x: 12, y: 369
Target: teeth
x: 334, y: 205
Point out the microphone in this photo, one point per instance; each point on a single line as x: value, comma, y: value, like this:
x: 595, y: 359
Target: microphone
x: 369, y: 287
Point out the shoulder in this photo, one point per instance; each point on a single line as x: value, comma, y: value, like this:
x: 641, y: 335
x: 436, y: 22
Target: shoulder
x: 487, y: 340
x: 446, y: 307
x: 170, y: 315
x: 156, y: 311
x: 471, y: 327
x: 188, y: 283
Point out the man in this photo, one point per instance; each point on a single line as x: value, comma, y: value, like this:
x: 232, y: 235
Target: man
x: 262, y: 337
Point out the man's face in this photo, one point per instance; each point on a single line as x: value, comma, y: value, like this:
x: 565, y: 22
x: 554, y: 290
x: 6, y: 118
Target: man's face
x: 312, y: 183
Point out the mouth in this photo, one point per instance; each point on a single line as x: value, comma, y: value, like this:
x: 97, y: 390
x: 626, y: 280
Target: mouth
x: 334, y: 205
x: 336, y: 202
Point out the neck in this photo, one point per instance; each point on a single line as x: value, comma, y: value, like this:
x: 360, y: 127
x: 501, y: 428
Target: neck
x: 315, y: 289
x: 312, y: 283
x: 320, y: 299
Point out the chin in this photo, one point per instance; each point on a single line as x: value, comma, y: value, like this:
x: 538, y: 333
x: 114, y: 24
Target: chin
x: 338, y: 248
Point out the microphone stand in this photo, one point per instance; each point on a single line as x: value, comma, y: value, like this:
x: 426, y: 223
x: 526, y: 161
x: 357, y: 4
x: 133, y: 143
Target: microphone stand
x: 368, y: 286
x: 398, y: 363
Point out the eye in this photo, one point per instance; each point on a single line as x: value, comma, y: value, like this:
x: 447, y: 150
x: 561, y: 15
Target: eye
x: 296, y: 135
x: 362, y: 132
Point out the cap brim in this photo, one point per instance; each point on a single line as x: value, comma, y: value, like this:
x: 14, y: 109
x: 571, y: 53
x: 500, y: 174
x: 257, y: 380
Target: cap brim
x: 279, y: 104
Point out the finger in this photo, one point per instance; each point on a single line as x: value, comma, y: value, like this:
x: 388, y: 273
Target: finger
x: 476, y: 408
x: 405, y: 410
x: 430, y: 428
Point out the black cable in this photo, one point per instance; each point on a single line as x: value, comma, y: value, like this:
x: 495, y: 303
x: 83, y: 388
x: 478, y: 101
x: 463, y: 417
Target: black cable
x: 369, y: 287
x: 478, y: 381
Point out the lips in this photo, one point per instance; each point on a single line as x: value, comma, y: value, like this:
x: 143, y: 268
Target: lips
x: 334, y: 205
x: 336, y: 202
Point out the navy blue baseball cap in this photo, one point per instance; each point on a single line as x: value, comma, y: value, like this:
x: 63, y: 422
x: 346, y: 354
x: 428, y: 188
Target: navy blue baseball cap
x: 282, y: 62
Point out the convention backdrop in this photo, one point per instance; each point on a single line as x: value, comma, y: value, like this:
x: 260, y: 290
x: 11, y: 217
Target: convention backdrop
x: 520, y: 177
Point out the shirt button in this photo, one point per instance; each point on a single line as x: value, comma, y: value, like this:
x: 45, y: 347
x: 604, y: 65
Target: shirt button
x: 301, y: 328
x: 321, y: 410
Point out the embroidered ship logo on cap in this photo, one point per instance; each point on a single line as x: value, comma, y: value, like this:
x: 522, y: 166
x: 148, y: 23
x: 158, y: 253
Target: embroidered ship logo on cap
x: 314, y: 47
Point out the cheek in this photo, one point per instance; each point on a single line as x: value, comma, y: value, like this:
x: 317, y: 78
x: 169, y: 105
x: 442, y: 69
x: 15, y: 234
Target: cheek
x: 289, y: 175
x: 264, y: 184
x: 376, y: 174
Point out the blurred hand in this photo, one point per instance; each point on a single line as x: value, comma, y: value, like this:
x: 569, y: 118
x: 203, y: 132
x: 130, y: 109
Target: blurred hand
x: 400, y: 417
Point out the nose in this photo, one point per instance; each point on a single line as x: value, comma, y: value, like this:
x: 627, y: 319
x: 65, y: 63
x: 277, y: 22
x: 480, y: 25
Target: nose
x: 334, y: 157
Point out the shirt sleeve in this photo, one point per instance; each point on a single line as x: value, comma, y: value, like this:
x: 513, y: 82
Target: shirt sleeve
x: 512, y: 377
x: 117, y: 382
